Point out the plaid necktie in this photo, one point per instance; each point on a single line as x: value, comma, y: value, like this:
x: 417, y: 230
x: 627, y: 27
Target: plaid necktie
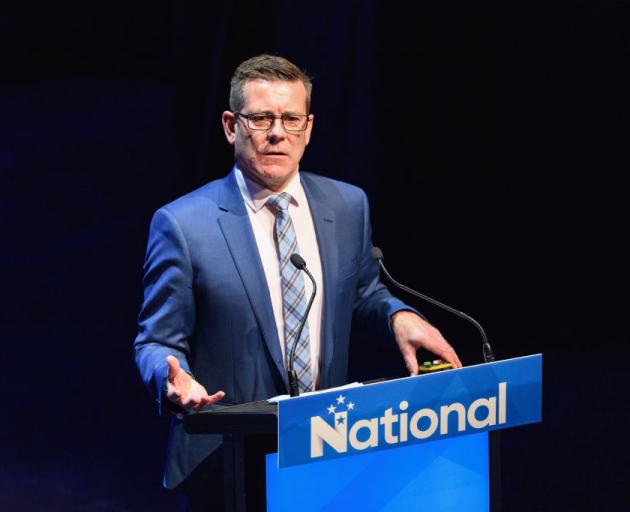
x: 293, y: 292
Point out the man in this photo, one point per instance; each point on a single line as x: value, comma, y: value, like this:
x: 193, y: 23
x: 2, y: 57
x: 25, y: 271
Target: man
x: 222, y: 301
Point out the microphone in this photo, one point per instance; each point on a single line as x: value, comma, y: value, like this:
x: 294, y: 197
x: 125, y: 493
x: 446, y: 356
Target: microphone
x: 300, y: 264
x: 488, y: 355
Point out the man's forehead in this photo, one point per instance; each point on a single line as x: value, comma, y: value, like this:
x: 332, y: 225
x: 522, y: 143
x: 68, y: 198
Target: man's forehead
x: 260, y: 90
x: 275, y: 84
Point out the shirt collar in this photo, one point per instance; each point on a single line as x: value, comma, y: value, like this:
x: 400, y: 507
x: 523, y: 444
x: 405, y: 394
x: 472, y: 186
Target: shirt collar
x: 256, y: 196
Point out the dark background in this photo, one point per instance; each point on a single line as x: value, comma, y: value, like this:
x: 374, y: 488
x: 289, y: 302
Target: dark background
x: 491, y: 140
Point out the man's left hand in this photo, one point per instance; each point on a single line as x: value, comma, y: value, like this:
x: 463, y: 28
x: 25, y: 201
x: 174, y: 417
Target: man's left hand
x: 412, y: 332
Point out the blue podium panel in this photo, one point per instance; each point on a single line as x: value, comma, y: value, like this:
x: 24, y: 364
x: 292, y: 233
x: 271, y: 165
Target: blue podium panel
x: 414, y: 410
x: 447, y: 475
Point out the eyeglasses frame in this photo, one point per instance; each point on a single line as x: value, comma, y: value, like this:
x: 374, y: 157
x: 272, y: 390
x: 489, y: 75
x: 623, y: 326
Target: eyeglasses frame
x: 247, y: 116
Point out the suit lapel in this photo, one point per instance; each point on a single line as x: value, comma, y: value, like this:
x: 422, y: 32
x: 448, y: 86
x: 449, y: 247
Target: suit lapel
x: 324, y: 221
x: 241, y: 242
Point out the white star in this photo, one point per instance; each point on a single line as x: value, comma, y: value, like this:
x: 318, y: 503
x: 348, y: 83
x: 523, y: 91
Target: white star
x: 341, y: 399
x: 350, y: 406
x: 331, y: 409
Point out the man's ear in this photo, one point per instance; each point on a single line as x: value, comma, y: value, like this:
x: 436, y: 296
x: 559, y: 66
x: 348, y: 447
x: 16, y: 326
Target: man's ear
x: 309, y: 128
x: 228, y: 120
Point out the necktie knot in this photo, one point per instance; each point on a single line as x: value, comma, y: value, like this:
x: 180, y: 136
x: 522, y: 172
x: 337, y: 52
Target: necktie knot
x: 280, y: 202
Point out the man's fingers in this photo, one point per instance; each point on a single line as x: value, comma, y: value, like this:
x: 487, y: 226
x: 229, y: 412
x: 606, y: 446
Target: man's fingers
x: 456, y: 362
x: 209, y: 400
x: 215, y: 398
x: 201, y: 399
x: 449, y: 355
x: 187, y: 393
x: 440, y: 347
x: 192, y: 403
x: 411, y: 360
x: 173, y: 367
x: 413, y: 332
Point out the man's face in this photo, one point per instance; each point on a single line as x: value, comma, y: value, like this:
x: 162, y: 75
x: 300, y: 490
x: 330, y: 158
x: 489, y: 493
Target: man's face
x: 271, y: 157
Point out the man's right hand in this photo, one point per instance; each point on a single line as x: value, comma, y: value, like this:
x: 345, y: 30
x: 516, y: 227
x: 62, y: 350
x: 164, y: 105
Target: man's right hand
x: 186, y: 392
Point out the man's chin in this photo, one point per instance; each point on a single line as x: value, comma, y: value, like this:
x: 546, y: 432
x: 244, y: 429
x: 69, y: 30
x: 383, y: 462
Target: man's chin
x: 274, y: 176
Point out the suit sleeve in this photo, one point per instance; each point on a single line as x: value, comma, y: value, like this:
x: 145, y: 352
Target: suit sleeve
x: 374, y: 304
x: 167, y: 316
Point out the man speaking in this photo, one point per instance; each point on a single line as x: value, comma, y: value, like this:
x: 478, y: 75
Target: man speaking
x: 222, y: 300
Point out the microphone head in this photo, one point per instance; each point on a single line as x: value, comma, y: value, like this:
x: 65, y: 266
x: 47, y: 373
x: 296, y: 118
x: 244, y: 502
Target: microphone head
x: 298, y: 261
x: 376, y: 253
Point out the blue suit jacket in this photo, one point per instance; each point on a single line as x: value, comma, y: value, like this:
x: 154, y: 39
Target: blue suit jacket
x: 206, y: 299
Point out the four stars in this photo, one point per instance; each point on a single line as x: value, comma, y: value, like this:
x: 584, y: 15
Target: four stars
x: 332, y: 409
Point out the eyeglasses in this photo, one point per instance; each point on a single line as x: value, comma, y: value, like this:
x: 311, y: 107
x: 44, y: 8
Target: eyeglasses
x: 265, y: 120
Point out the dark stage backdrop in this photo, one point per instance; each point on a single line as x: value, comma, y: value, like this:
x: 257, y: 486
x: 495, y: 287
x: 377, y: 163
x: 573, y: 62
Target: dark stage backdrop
x: 491, y: 140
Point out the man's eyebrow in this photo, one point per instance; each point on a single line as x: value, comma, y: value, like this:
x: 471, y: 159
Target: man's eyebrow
x: 269, y: 113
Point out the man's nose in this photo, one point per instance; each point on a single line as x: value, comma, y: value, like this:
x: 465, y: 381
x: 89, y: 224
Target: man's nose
x: 276, y: 131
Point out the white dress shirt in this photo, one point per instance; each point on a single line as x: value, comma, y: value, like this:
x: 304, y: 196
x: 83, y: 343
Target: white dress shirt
x: 263, y: 220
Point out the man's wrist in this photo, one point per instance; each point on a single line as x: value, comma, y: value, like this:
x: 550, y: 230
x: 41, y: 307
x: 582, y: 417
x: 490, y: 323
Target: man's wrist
x: 397, y: 313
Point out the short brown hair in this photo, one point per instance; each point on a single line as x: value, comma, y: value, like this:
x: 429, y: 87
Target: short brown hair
x: 266, y: 67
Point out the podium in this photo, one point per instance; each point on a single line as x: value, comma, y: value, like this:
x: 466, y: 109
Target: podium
x: 419, y: 442
x: 250, y: 432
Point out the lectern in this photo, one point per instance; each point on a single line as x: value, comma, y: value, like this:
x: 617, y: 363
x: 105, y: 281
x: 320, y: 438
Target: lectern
x: 426, y: 442
x: 249, y: 434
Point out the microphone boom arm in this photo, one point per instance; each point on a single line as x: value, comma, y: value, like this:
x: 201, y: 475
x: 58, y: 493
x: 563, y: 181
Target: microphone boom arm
x: 300, y: 264
x: 488, y: 355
